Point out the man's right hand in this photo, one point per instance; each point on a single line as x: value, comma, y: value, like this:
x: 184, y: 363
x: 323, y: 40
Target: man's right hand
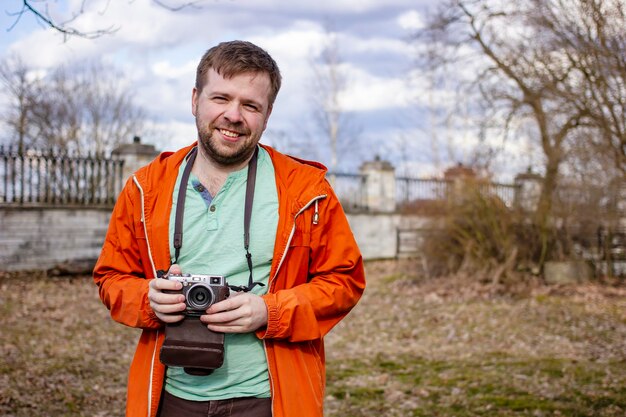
x: 167, y: 306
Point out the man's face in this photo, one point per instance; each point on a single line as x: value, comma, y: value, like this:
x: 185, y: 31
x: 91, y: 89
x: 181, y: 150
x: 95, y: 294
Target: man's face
x: 231, y: 115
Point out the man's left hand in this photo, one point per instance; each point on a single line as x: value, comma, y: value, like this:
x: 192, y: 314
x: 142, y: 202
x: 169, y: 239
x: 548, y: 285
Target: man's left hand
x: 242, y: 312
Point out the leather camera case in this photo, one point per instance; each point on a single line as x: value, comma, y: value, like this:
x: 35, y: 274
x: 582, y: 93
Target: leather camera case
x: 191, y: 345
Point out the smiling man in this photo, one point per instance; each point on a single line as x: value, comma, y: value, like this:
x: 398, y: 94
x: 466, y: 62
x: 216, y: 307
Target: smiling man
x: 228, y: 208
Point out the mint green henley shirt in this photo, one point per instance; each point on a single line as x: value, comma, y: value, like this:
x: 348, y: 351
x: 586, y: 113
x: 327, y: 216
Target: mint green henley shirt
x: 213, y: 244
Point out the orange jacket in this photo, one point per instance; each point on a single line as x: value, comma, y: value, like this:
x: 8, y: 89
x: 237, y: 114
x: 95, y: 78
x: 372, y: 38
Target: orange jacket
x: 316, y: 278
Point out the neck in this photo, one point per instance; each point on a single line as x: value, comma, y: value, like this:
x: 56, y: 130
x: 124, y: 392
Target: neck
x: 213, y: 174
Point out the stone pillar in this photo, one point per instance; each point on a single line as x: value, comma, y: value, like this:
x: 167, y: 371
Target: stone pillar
x: 528, y: 190
x: 380, y: 185
x: 458, y: 179
x: 135, y: 155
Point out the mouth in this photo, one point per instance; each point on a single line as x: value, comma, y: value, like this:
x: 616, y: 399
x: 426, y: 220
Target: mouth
x: 230, y: 134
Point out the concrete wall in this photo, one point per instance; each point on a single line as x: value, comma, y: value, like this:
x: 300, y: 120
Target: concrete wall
x: 44, y: 238
x: 377, y: 233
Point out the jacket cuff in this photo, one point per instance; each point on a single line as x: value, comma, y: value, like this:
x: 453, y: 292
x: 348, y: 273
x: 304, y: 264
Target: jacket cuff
x: 271, y: 329
x: 153, y: 321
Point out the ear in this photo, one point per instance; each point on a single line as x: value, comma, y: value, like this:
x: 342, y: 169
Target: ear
x: 195, y: 95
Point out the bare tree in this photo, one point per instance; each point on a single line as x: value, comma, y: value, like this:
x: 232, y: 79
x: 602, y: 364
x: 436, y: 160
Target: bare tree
x: 328, y: 83
x: 19, y: 85
x: 520, y: 69
x: 296, y: 145
x: 111, y: 114
x: 41, y: 10
x: 85, y: 108
x: 591, y: 36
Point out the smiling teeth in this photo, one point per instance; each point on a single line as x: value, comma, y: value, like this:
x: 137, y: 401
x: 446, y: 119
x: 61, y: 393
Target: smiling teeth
x: 229, y: 133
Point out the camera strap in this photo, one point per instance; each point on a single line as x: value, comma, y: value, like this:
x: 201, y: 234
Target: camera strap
x: 180, y: 212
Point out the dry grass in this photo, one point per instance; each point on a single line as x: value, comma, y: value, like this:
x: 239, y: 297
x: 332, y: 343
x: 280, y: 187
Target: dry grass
x: 438, y: 348
x: 60, y: 354
x: 454, y: 348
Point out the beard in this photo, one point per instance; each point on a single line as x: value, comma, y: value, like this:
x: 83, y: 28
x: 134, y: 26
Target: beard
x: 226, y: 156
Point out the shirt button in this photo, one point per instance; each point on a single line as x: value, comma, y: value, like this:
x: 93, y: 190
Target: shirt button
x: 212, y: 208
x: 200, y: 188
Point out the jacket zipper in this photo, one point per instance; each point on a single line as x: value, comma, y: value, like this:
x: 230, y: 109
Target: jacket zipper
x: 269, y: 285
x: 145, y: 231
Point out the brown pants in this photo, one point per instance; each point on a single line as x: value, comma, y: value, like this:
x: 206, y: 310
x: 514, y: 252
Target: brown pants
x: 172, y: 406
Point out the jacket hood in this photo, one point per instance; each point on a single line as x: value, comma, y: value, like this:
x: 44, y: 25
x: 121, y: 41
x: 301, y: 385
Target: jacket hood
x: 304, y: 179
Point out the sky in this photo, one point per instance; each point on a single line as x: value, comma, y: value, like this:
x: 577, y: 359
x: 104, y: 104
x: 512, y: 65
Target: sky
x: 385, y: 98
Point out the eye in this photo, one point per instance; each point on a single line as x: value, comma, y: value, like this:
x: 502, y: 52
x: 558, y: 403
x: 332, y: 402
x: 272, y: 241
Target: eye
x: 219, y: 99
x: 251, y: 107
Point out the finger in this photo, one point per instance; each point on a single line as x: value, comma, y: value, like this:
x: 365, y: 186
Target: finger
x: 228, y: 304
x: 163, y: 298
x: 221, y: 318
x: 239, y: 325
x: 168, y: 308
x: 165, y: 284
x: 170, y: 318
x: 175, y: 269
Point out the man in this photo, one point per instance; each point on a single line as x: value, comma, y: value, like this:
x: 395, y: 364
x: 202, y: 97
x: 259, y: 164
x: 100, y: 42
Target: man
x: 301, y: 249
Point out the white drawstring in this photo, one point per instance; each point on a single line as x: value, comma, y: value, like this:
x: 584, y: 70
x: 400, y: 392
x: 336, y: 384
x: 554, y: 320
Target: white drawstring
x: 316, y: 215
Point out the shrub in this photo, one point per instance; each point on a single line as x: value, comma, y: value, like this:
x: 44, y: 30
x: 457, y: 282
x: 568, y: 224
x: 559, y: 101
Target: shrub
x: 482, y: 237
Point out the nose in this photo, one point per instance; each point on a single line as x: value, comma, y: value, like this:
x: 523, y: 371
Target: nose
x: 233, y: 112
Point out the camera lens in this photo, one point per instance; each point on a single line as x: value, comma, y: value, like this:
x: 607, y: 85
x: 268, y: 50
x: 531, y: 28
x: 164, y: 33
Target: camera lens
x: 199, y: 297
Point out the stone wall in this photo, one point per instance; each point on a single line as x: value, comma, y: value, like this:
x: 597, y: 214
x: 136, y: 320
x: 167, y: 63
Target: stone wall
x: 70, y: 238
x: 47, y: 238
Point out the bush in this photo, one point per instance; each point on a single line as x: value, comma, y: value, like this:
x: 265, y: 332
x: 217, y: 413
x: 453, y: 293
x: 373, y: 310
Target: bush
x: 482, y: 237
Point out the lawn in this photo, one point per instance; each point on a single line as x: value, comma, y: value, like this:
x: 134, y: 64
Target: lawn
x: 410, y: 348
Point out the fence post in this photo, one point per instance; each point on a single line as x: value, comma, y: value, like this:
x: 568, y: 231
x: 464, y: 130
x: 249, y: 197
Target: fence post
x: 380, y: 185
x: 528, y: 190
x: 135, y: 155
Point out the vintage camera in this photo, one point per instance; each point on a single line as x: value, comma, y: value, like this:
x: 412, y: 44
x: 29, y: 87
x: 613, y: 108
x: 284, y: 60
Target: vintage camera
x: 200, y: 291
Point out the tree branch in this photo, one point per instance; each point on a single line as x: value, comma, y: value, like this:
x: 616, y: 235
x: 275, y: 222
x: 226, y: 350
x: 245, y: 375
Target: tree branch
x: 43, y: 16
x: 190, y: 4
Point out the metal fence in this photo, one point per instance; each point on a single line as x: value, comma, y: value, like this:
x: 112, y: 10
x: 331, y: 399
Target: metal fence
x: 52, y: 178
x: 351, y: 190
x: 414, y: 189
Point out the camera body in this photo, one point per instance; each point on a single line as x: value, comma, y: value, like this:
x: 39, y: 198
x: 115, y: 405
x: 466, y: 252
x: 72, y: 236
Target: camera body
x: 200, y: 291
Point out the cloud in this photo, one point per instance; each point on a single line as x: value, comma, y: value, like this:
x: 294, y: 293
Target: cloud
x: 366, y: 92
x: 171, y: 135
x: 411, y: 20
x: 166, y: 70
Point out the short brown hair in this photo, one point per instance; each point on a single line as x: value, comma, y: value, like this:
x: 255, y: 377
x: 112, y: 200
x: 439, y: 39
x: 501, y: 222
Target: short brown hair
x: 238, y: 57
